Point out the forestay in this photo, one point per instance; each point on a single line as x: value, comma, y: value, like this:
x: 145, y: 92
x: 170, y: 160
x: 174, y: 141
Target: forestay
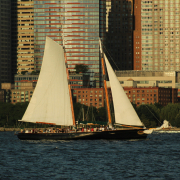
x: 50, y: 102
x: 124, y: 111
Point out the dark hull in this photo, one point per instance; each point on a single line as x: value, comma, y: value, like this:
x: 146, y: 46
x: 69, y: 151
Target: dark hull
x: 114, y: 134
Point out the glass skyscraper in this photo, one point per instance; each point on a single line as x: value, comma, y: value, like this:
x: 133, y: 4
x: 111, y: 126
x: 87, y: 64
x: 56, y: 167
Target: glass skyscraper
x: 76, y: 23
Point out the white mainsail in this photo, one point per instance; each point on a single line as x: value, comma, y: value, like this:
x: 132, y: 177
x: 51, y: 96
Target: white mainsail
x: 123, y: 109
x: 50, y: 102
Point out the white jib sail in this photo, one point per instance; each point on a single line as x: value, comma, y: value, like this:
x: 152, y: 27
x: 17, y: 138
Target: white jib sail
x: 123, y: 109
x: 50, y: 102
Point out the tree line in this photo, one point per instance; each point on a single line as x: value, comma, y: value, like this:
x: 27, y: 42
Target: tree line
x: 152, y: 115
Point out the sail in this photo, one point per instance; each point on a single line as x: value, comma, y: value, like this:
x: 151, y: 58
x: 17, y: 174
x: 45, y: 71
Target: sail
x: 50, y: 102
x: 123, y: 109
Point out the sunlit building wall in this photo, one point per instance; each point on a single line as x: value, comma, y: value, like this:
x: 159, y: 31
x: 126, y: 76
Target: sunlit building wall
x: 156, y: 35
x: 76, y: 23
x: 23, y: 35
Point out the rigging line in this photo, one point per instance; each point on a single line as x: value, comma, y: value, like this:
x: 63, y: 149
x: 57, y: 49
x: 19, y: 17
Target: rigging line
x: 153, y: 114
x: 19, y: 124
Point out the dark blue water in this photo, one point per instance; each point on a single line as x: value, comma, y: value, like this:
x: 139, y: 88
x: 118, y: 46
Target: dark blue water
x: 158, y: 157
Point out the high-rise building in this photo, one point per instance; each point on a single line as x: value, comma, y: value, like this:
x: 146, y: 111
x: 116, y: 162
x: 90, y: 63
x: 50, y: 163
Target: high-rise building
x: 22, y: 36
x: 78, y: 24
x: 119, y: 31
x: 156, y: 35
x: 5, y: 41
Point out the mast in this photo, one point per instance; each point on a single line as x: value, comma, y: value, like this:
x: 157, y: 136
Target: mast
x: 69, y: 86
x: 105, y: 84
x: 83, y: 113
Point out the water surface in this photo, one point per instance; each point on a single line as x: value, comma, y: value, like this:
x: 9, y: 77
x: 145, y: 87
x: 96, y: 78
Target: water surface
x: 158, y: 157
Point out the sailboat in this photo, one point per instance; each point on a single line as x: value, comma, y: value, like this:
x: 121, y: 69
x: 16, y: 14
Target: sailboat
x: 52, y: 104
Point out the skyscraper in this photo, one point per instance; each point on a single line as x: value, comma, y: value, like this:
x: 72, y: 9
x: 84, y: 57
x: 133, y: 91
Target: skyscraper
x: 78, y: 24
x: 5, y: 41
x: 156, y: 35
x: 119, y: 31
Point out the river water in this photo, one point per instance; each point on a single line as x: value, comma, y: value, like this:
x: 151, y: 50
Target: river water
x: 157, y: 157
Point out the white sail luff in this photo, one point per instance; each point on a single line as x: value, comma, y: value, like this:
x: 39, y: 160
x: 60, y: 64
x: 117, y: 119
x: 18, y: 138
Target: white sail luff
x: 123, y: 109
x: 50, y: 102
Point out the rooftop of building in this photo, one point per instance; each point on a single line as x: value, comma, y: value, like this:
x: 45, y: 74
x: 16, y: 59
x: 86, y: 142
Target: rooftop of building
x: 138, y: 73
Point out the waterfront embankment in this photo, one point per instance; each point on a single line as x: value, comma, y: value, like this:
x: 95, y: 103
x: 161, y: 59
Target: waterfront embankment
x: 13, y: 129
x: 10, y: 129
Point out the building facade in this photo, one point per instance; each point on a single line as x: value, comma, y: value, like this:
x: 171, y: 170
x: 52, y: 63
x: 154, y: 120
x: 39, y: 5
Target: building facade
x: 148, y: 95
x: 22, y: 36
x: 137, y: 95
x: 25, y: 81
x: 21, y: 91
x: 21, y: 95
x: 151, y: 95
x: 79, y: 80
x: 76, y: 24
x: 90, y: 96
x: 5, y: 41
x: 156, y: 35
x: 5, y: 92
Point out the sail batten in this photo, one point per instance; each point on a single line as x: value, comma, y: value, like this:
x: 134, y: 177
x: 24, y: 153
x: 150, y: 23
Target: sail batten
x: 50, y: 102
x: 123, y: 109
